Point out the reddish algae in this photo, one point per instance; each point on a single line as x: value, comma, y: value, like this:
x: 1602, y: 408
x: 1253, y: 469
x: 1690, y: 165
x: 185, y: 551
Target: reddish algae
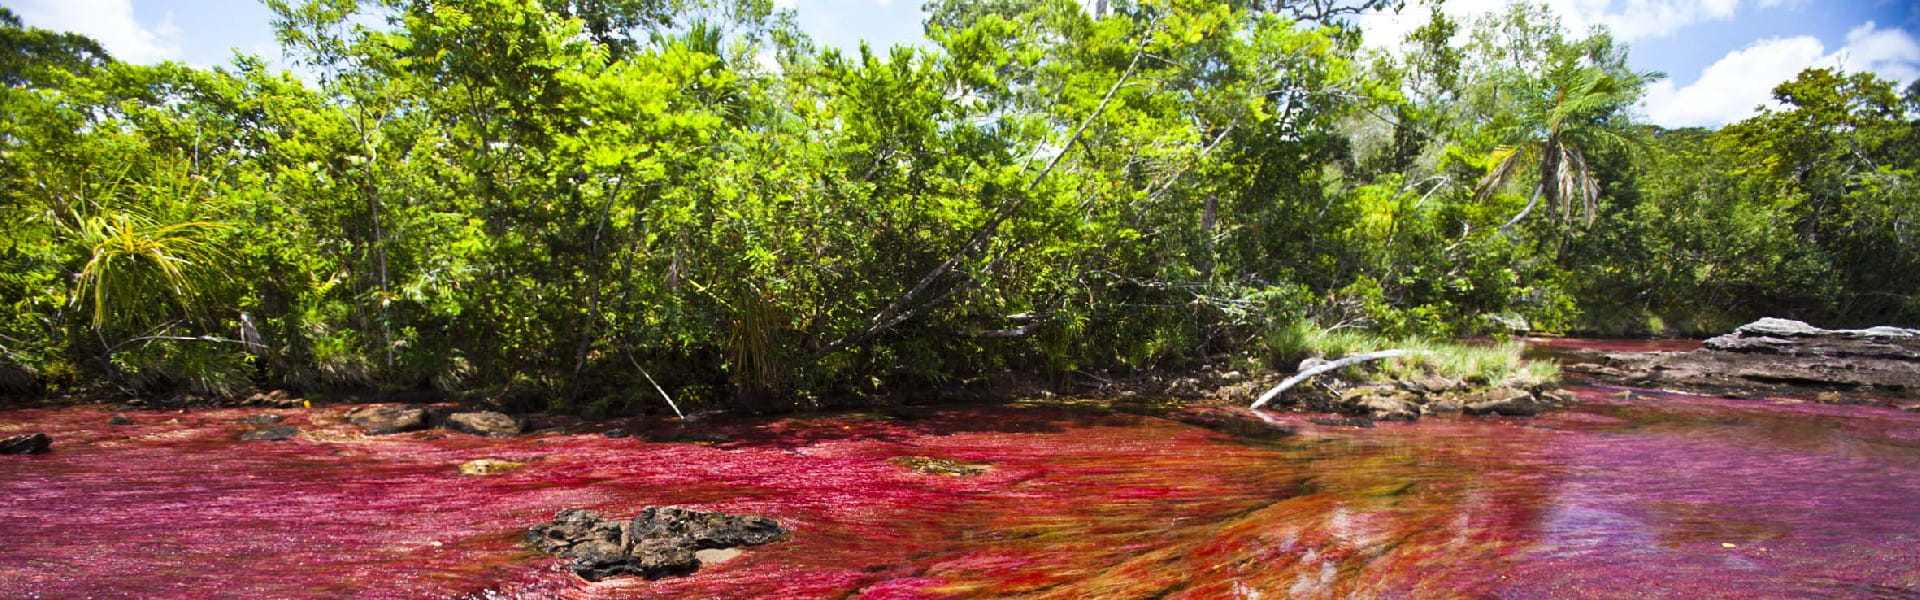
x: 1625, y: 496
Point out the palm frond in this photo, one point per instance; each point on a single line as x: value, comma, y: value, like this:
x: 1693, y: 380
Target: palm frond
x: 1508, y: 159
x: 134, y: 261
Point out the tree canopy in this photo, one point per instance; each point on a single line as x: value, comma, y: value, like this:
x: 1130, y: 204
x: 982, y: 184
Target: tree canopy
x: 562, y: 200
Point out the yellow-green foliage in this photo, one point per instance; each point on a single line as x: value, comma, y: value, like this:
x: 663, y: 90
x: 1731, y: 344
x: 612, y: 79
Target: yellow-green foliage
x: 133, y: 262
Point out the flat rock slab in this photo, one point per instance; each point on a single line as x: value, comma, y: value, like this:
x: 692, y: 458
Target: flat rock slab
x: 270, y: 434
x: 659, y: 542
x: 483, y: 422
x: 381, y: 420
x: 1780, y: 355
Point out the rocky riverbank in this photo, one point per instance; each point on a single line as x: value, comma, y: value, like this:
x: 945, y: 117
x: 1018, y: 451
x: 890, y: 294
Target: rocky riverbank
x: 1779, y: 356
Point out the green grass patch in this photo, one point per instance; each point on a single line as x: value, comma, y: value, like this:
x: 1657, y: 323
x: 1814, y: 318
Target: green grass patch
x: 1484, y: 363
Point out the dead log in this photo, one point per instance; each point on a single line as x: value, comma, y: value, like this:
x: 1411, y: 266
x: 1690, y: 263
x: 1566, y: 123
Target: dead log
x: 1305, y: 374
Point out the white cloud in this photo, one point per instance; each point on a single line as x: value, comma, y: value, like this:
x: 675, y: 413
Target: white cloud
x: 1892, y: 53
x: 1647, y: 19
x: 1731, y: 88
x: 1734, y: 87
x: 109, y: 21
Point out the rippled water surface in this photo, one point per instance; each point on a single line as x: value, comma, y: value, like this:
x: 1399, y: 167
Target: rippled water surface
x: 1630, y: 495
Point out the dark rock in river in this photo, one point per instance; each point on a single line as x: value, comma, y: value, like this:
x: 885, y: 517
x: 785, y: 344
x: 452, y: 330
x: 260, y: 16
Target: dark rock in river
x: 661, y: 541
x: 120, y: 420
x: 483, y: 422
x: 270, y: 434
x: 32, y: 443
x: 389, y: 419
x: 1780, y: 355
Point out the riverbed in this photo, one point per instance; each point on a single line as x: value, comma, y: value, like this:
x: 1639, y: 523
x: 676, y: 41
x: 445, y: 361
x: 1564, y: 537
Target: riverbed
x: 1632, y: 494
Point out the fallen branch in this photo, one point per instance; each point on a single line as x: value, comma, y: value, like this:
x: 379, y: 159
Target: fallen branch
x: 1322, y: 368
x: 656, y: 387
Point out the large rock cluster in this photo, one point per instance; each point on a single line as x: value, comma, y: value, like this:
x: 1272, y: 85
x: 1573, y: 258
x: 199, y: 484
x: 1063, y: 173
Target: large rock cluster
x: 660, y: 541
x: 1410, y: 399
x: 1771, y: 355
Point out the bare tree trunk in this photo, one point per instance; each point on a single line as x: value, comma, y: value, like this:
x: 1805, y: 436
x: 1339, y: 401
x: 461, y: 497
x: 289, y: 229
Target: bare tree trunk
x: 593, y: 293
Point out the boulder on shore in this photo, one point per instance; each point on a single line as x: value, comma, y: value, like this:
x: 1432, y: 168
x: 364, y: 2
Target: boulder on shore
x: 660, y: 541
x: 1507, y: 402
x: 32, y: 443
x: 274, y: 399
x: 1410, y: 399
x: 1772, y: 355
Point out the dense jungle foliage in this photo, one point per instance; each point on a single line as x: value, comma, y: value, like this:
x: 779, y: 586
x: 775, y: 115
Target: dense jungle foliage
x: 569, y: 200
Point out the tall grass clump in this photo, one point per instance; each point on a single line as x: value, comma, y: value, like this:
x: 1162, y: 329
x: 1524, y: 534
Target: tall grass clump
x: 1496, y: 363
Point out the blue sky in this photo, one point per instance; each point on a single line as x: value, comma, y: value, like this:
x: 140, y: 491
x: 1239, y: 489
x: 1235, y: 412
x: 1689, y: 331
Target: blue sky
x: 1721, y: 56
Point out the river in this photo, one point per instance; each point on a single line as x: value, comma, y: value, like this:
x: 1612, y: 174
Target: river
x: 1632, y: 494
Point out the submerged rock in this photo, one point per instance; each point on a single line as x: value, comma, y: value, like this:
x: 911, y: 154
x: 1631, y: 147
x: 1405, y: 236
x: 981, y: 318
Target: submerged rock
x: 270, y: 434
x: 1772, y: 355
x: 489, y: 466
x: 380, y: 420
x: 32, y: 443
x: 261, y: 420
x: 483, y: 422
x: 1342, y: 422
x: 120, y: 420
x: 659, y: 542
x: 939, y: 466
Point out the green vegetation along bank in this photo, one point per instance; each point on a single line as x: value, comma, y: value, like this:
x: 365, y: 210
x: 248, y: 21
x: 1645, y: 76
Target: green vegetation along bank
x: 586, y: 204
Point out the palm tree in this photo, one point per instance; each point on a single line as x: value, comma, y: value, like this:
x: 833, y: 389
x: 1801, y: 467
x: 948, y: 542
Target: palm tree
x: 1587, y: 100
